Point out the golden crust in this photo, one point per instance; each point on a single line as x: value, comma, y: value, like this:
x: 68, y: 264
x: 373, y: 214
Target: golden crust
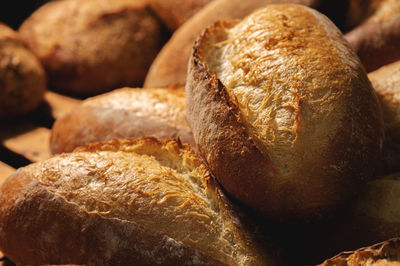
x: 175, y: 12
x: 108, y: 44
x: 141, y: 201
x: 169, y: 68
x: 23, y: 81
x: 123, y: 113
x: 385, y: 253
x: 386, y: 82
x: 338, y: 132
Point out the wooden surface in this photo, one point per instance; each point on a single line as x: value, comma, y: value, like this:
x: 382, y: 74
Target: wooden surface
x: 25, y: 140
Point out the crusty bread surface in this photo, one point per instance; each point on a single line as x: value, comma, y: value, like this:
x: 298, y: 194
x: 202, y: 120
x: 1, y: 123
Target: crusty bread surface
x: 382, y: 254
x: 386, y: 82
x: 169, y: 68
x: 23, y: 80
x: 123, y: 113
x: 107, y: 44
x: 283, y: 112
x: 139, y: 201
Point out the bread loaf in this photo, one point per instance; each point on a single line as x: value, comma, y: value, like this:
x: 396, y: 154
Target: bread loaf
x: 386, y: 82
x: 170, y: 66
x: 385, y: 253
x: 283, y: 112
x: 107, y: 44
x: 123, y: 113
x: 377, y: 39
x: 124, y: 202
x: 370, y: 218
x: 175, y: 12
x: 22, y: 78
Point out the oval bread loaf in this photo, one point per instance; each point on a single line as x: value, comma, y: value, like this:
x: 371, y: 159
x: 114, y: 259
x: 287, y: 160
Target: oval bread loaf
x: 283, y: 112
x: 123, y: 113
x: 107, y: 44
x: 22, y: 78
x: 124, y: 202
x: 386, y: 82
x: 169, y: 68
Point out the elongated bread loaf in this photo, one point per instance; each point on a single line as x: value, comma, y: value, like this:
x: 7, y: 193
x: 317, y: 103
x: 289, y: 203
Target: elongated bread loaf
x: 385, y: 253
x: 283, y: 112
x: 123, y: 113
x: 386, y: 82
x: 91, y: 46
x: 124, y: 202
x: 22, y: 78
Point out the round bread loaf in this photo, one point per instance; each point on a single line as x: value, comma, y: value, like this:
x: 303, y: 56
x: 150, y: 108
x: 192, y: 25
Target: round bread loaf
x: 386, y: 82
x: 283, y: 112
x: 124, y: 202
x: 175, y: 12
x: 170, y: 66
x: 22, y: 78
x: 376, y: 39
x: 107, y: 44
x: 123, y: 113
x: 386, y: 253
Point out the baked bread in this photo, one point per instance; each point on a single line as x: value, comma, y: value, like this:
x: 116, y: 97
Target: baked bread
x: 107, y: 44
x: 283, y: 112
x: 377, y: 39
x: 385, y: 253
x: 23, y: 81
x: 371, y: 218
x: 121, y: 202
x: 386, y: 82
x: 175, y: 12
x: 170, y: 66
x: 123, y: 113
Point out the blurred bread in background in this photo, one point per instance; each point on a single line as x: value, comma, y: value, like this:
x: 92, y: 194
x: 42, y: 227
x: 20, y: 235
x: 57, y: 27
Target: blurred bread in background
x: 22, y: 78
x: 175, y: 12
x: 386, y: 82
x: 91, y: 46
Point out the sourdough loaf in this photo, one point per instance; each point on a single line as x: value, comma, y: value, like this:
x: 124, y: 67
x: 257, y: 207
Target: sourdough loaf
x: 283, y: 112
x: 123, y: 113
x: 386, y: 82
x: 170, y: 66
x: 124, y: 202
x: 107, y: 44
x: 22, y: 78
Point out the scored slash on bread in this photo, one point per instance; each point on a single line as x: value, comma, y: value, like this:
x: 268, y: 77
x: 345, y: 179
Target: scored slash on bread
x: 169, y: 68
x: 141, y: 201
x: 123, y: 113
x: 283, y: 112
